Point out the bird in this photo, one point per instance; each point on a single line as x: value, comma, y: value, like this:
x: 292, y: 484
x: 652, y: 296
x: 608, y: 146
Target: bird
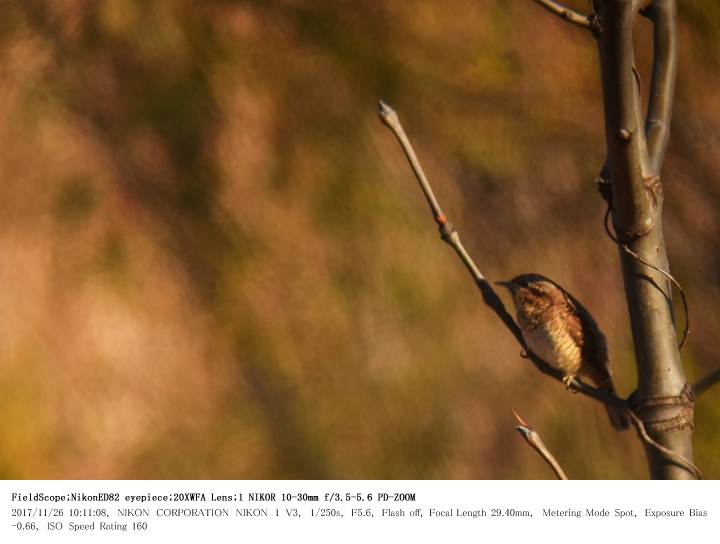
x: 561, y: 332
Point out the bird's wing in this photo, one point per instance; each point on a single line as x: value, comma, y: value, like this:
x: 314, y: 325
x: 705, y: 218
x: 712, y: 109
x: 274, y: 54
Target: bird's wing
x: 585, y: 331
x: 573, y: 323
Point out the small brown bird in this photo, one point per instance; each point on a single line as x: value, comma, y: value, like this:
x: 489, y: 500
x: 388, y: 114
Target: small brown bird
x: 559, y: 330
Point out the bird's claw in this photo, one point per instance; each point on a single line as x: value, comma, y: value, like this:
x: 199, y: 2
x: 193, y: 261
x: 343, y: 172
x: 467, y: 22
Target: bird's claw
x: 568, y: 381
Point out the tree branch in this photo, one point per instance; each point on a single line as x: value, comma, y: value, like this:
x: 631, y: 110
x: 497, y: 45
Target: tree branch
x: 534, y: 440
x: 450, y: 236
x: 567, y: 14
x: 663, y: 14
x: 670, y: 277
x: 661, y: 397
x: 706, y: 383
x: 634, y: 195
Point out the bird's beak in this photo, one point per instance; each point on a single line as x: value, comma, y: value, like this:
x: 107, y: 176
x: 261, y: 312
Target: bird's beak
x: 510, y: 286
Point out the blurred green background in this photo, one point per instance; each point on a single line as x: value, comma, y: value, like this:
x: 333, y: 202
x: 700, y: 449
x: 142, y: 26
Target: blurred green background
x: 216, y: 262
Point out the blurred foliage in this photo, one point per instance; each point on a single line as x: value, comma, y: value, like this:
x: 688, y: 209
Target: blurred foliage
x: 216, y: 263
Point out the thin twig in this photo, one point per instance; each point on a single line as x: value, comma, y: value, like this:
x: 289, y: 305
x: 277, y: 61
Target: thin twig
x: 676, y: 458
x: 706, y: 383
x: 449, y: 235
x: 569, y: 15
x: 534, y: 440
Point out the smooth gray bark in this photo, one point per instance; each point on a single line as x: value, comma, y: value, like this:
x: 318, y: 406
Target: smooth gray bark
x: 635, y: 149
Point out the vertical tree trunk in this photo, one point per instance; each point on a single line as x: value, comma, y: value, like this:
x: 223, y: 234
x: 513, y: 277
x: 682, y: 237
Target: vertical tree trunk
x: 635, y: 148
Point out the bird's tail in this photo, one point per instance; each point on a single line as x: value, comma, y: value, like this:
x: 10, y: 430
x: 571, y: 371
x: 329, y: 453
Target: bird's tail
x: 618, y: 417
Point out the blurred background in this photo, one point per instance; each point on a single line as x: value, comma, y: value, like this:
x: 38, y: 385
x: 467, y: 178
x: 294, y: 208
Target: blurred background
x: 216, y: 262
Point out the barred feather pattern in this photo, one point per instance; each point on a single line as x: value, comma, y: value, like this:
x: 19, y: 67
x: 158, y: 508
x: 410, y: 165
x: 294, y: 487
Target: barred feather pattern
x: 559, y: 330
